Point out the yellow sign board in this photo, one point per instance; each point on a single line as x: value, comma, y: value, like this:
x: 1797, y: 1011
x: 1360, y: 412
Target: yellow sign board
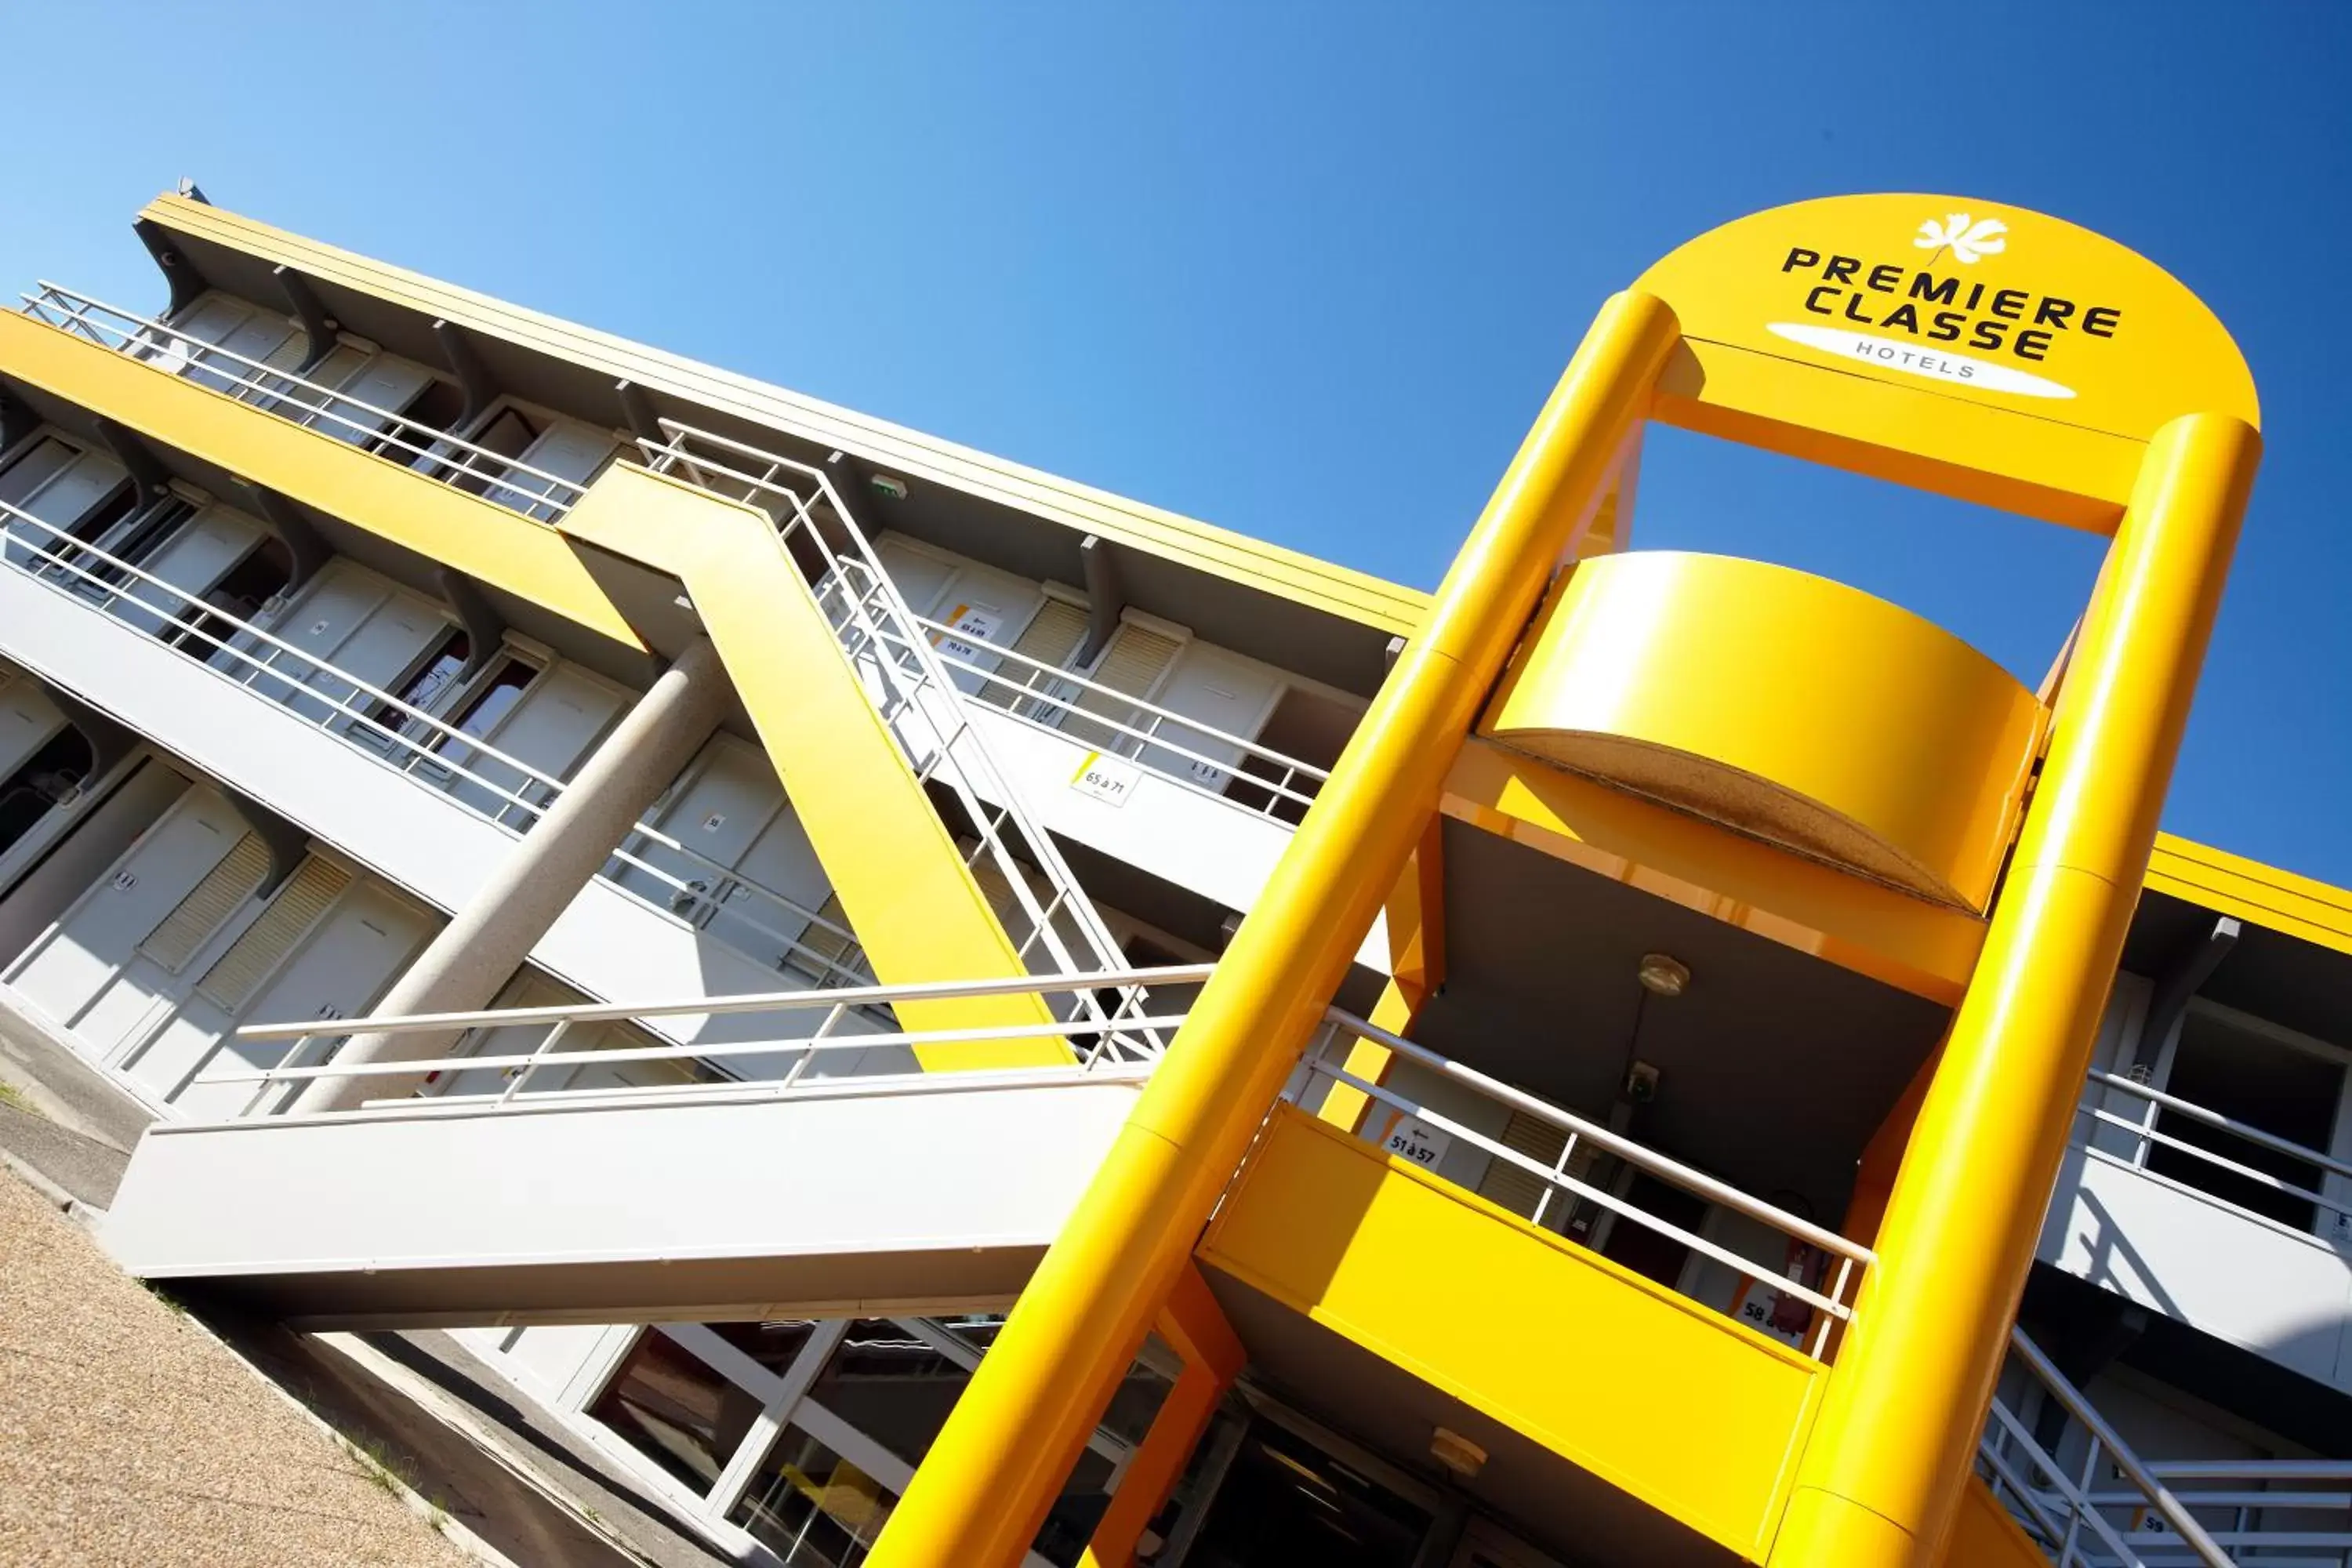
x: 1861, y: 318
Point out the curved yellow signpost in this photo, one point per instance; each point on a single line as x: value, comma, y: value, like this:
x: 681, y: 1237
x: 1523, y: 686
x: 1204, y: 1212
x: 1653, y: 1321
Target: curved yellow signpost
x: 1955, y: 345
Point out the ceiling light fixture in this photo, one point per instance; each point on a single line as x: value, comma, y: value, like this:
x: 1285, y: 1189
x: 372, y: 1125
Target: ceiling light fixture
x: 1662, y: 975
x: 1456, y: 1453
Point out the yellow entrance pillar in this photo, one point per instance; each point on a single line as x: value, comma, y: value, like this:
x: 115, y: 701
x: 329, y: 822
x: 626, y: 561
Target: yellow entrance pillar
x: 1881, y: 1482
x: 980, y: 1496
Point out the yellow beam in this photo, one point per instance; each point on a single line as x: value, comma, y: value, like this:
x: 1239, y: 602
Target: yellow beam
x: 1882, y: 1479
x: 1154, y: 1469
x: 486, y: 542
x: 996, y: 1466
x: 916, y: 909
x: 1195, y: 1327
x: 1416, y: 931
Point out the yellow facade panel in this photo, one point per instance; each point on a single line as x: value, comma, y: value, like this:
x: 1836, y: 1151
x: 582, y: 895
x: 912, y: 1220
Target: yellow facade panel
x: 1788, y: 706
x: 488, y: 542
x: 1684, y: 1409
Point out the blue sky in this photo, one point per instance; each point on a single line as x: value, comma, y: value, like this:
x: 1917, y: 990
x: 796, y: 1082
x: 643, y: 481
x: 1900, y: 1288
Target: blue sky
x: 1304, y: 270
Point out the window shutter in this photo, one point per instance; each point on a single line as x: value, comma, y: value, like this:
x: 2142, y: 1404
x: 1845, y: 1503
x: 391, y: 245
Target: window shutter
x: 208, y: 904
x: 1136, y: 659
x: 1052, y: 634
x: 826, y: 944
x: 238, y: 973
x: 1519, y: 1190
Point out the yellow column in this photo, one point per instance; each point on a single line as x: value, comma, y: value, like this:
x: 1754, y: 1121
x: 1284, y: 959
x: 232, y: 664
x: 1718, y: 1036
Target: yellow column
x: 1882, y: 1477
x: 979, y: 1497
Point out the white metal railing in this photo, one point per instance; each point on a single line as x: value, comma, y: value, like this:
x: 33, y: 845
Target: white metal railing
x: 919, y: 705
x: 2101, y: 1506
x: 506, y: 481
x: 2145, y: 1135
x: 1040, y: 688
x: 1094, y: 1045
x: 396, y: 734
x: 1833, y: 1304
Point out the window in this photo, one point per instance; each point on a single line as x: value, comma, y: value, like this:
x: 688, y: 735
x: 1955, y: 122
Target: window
x: 201, y: 628
x: 774, y: 1344
x: 145, y: 535
x: 676, y: 1410
x: 1132, y: 662
x: 492, y: 700
x: 50, y: 777
x: 2248, y: 1074
x: 812, y: 1506
x: 433, y: 676
x: 506, y: 433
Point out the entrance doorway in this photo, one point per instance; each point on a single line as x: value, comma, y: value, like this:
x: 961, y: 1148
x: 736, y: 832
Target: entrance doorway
x: 1285, y: 1502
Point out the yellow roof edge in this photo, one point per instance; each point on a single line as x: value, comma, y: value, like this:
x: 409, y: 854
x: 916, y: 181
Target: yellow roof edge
x: 2232, y: 885
x: 1291, y: 574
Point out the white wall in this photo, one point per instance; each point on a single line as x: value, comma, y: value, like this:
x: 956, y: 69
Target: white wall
x: 605, y: 944
x: 2278, y: 1292
x: 961, y: 1173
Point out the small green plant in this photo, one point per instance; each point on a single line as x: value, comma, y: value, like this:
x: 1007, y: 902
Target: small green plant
x: 15, y: 1099
x: 177, y: 1308
x: 381, y: 1466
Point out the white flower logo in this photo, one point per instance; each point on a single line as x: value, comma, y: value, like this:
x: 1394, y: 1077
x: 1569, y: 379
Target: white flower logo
x: 1969, y: 242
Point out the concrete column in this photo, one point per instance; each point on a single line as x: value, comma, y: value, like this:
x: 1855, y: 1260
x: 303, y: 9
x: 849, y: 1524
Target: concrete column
x: 487, y: 940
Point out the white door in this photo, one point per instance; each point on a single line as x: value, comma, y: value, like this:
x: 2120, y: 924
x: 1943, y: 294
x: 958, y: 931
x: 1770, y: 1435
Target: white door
x: 188, y: 564
x: 983, y: 608
x: 71, y: 968
x: 314, y: 626
x: 240, y: 334
x: 731, y: 795
x: 565, y: 450
x: 1228, y: 694
x: 921, y: 577
x: 549, y: 729
x: 780, y: 861
x: 203, y: 323
x: 381, y: 649
x: 351, y: 957
x: 366, y: 401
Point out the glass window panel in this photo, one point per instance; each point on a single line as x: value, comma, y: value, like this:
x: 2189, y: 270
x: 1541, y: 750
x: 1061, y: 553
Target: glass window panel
x: 810, y: 1506
x: 672, y: 1407
x: 773, y: 1345
x: 495, y: 699
x: 890, y: 1385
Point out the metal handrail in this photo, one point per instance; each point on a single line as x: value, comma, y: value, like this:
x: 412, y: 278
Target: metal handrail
x: 835, y: 1003
x: 1852, y: 1255
x: 450, y: 454
x: 969, y: 773
x: 2231, y: 1125
x: 2061, y: 1530
x: 62, y: 557
x: 1029, y: 690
